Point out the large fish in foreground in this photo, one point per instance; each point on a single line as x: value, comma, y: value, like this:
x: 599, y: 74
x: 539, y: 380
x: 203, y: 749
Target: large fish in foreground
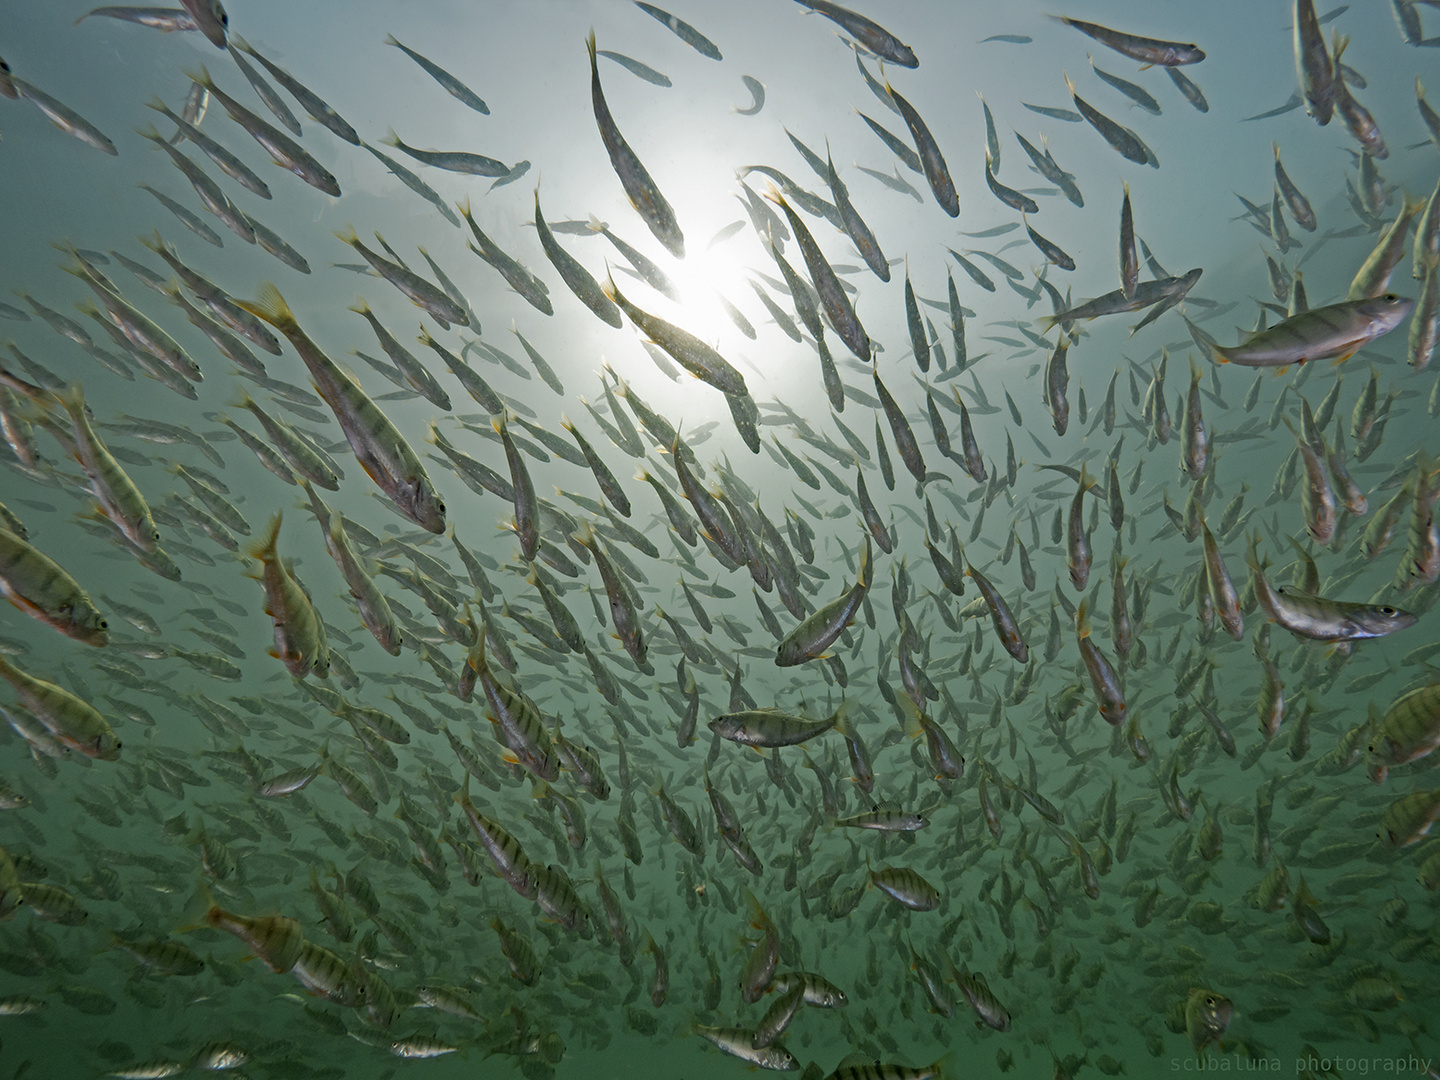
x: 72, y: 721
x: 381, y: 450
x: 644, y: 196
x: 41, y: 588
x: 1321, y: 619
x: 1335, y: 331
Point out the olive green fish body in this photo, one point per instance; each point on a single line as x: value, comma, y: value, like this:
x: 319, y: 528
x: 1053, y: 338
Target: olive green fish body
x: 1409, y: 730
x: 70, y: 720
x: 41, y: 588
x: 1335, y: 331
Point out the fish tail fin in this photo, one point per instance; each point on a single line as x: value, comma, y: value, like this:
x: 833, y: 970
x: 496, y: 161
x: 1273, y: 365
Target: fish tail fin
x: 866, y: 573
x: 72, y: 398
x: 390, y: 139
x: 265, y: 547
x: 272, y: 308
x: 390, y: 40
x: 1049, y: 322
x: 914, y: 718
x: 590, y: 45
x: 1082, y: 618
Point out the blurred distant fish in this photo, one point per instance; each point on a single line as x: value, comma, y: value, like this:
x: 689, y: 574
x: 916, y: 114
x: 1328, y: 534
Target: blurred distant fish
x: 683, y: 30
x: 210, y: 18
x: 519, y: 169
x: 166, y: 20
x: 636, y: 68
x: 1008, y: 39
x: 725, y: 233
x: 1189, y: 89
x: 1067, y: 115
x: 757, y: 92
x: 62, y: 116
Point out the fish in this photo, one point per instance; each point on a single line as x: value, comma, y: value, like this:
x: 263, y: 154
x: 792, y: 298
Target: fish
x: 283, y: 150
x: 1207, y: 1017
x: 1124, y: 141
x: 636, y: 68
x: 1335, y: 331
x: 166, y: 20
x: 1138, y: 94
x: 1322, y: 619
x: 937, y: 174
x: 640, y: 189
x: 463, y: 162
x: 579, y: 280
x: 60, y: 114
x: 1146, y: 50
x: 817, y: 632
x: 210, y: 18
x: 683, y: 30
x: 382, y: 451
x: 832, y: 297
x: 435, y: 300
x: 300, y: 642
x: 874, y: 37
x: 453, y: 86
x: 699, y: 359
x: 769, y: 728
x: 41, y: 588
x: 308, y: 100
x: 73, y: 722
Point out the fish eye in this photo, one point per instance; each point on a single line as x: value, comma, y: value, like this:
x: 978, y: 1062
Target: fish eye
x: 1387, y: 610
x: 103, y: 625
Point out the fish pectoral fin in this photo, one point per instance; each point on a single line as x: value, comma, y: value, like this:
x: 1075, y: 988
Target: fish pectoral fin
x: 1341, y: 359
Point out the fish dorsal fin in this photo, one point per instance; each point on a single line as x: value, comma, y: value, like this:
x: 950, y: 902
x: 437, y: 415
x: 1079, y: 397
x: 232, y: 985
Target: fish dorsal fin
x: 855, y: 1059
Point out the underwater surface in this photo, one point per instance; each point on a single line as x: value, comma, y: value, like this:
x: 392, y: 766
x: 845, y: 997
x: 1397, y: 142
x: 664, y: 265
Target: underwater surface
x: 903, y: 547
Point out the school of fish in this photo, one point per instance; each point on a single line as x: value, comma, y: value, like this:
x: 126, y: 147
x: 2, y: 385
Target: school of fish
x: 1105, y: 758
